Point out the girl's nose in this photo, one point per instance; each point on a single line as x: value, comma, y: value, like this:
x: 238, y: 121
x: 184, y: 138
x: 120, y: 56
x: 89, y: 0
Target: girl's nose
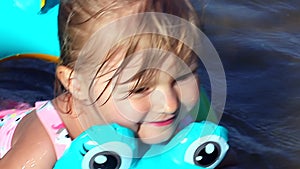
x: 166, y: 99
x: 171, y: 101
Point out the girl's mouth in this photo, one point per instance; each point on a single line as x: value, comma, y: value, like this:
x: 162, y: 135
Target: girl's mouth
x: 163, y: 122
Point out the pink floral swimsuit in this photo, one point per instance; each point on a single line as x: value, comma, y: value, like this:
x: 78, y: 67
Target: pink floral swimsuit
x: 50, y: 119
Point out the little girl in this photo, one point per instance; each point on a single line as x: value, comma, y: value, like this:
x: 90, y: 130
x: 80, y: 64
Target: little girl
x: 117, y: 65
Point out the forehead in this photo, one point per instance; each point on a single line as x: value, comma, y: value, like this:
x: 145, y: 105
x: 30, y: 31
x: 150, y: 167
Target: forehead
x: 134, y: 55
x: 154, y: 60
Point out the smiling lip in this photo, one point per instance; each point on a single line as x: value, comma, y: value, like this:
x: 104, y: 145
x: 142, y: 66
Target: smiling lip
x: 163, y: 123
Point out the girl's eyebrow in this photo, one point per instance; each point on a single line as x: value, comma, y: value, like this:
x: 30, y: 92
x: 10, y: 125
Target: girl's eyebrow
x: 132, y: 79
x: 184, y: 76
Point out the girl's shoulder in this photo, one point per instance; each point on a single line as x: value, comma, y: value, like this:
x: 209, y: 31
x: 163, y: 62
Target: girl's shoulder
x: 29, y: 127
x: 30, y: 141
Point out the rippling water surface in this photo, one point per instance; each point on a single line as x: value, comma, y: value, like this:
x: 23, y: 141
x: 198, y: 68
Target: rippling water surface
x: 258, y: 42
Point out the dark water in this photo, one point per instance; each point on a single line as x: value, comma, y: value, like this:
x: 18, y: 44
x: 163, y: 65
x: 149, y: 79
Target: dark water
x: 258, y: 42
x: 26, y: 80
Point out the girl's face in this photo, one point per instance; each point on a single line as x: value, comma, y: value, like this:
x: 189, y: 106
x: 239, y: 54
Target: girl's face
x: 155, y: 110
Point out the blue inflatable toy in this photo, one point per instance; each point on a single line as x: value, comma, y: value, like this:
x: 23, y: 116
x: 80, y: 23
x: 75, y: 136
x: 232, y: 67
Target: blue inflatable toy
x: 29, y: 29
x: 105, y: 147
x: 198, y: 146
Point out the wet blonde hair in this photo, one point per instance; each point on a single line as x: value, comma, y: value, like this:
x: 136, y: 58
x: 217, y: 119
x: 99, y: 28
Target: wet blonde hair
x: 79, y: 19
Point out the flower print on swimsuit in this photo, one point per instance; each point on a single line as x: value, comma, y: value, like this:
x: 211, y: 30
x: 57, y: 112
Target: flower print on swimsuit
x: 3, y: 119
x: 15, y: 114
x: 62, y: 137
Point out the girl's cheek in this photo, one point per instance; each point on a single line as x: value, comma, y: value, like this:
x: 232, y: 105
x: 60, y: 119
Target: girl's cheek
x: 189, y: 94
x: 141, y: 105
x: 132, y: 110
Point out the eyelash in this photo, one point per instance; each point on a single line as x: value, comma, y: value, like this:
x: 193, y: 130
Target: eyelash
x: 140, y: 90
x: 145, y: 89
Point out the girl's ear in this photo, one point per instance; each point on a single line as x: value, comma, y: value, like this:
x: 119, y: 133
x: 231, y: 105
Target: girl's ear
x: 66, y: 76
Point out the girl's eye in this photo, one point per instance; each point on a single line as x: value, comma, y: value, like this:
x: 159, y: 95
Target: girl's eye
x: 140, y: 90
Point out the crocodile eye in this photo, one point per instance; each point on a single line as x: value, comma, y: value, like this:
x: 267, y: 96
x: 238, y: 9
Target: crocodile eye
x: 111, y: 155
x: 206, y: 152
x: 105, y: 160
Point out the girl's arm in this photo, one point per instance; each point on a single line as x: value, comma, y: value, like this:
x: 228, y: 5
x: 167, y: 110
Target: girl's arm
x: 31, y: 146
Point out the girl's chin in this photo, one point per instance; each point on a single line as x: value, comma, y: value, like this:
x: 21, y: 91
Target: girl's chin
x: 154, y: 136
x: 153, y: 140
